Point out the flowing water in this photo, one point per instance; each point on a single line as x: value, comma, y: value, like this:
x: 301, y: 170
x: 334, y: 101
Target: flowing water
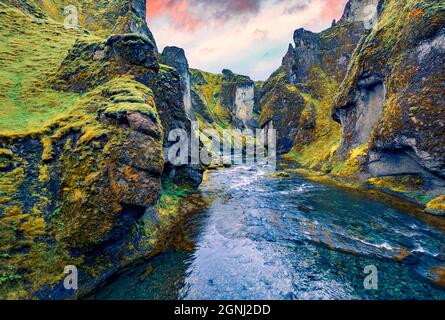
x: 266, y: 238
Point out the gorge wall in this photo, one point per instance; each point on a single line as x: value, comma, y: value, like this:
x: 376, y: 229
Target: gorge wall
x: 296, y: 97
x: 86, y: 112
x: 85, y: 115
x: 379, y: 72
x: 224, y: 101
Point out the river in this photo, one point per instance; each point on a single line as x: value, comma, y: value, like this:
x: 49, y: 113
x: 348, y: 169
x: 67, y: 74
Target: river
x: 262, y: 237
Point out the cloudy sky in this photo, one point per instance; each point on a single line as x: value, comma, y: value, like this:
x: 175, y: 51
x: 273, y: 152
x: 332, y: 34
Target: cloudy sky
x: 247, y: 36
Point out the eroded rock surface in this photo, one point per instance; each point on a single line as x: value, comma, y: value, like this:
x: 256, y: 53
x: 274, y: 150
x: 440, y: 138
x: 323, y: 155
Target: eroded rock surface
x: 88, y: 186
x: 406, y: 129
x: 379, y: 70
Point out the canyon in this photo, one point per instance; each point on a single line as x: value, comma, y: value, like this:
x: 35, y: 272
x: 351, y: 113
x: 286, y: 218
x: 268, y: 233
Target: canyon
x: 86, y: 114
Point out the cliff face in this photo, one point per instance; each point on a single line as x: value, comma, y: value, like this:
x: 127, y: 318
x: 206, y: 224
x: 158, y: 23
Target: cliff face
x: 392, y: 98
x: 82, y: 144
x: 170, y: 95
x: 281, y: 107
x: 221, y: 101
x: 383, y: 63
x: 227, y: 100
x: 103, y: 18
x: 175, y: 57
x: 297, y: 96
x: 238, y: 96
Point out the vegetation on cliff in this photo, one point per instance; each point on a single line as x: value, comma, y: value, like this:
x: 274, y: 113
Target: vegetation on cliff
x: 103, y: 18
x: 386, y: 129
x: 81, y: 151
x: 85, y: 114
x: 402, y: 55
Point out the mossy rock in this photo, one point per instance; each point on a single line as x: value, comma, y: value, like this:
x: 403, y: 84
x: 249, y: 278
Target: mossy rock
x: 102, y: 18
x: 281, y: 105
x: 92, y: 62
x: 436, y: 206
x: 79, y: 160
x: 402, y: 55
x: 280, y: 175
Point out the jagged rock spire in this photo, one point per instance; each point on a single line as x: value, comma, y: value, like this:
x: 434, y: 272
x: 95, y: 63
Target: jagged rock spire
x: 138, y: 23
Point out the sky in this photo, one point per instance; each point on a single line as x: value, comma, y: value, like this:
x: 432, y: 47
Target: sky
x: 249, y: 37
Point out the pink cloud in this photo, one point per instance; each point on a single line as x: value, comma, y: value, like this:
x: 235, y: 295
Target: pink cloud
x: 333, y: 9
x: 190, y: 14
x: 178, y: 11
x: 246, y: 36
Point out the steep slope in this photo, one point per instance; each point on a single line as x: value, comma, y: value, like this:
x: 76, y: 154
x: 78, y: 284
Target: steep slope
x: 296, y: 98
x: 392, y: 100
x: 384, y: 61
x: 175, y: 57
x: 171, y: 97
x: 227, y: 99
x: 103, y: 18
x: 81, y: 151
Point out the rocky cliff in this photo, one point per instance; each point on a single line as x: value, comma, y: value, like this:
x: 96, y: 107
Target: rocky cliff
x: 383, y: 63
x: 102, y: 18
x: 83, y: 179
x: 175, y: 57
x: 173, y: 100
x: 238, y: 96
x: 295, y: 97
x: 392, y: 99
x: 227, y: 100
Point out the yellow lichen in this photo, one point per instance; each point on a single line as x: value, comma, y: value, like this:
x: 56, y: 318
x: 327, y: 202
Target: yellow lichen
x: 279, y: 175
x: 6, y: 152
x: 44, y: 176
x: 352, y: 166
x: 405, y: 183
x: 77, y: 195
x: 10, y: 181
x: 47, y: 154
x: 436, y: 206
x: 91, y: 133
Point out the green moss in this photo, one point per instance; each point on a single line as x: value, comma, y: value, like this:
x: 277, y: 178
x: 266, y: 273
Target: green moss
x: 168, y: 211
x: 30, y: 53
x: 279, y: 91
x: 53, y: 138
x: 403, y: 183
x: 101, y: 17
x: 170, y: 200
x: 126, y: 95
x: 325, y: 134
x: 209, y: 87
x: 94, y: 61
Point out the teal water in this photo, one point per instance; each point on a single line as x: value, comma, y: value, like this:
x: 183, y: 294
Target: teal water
x: 267, y: 238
